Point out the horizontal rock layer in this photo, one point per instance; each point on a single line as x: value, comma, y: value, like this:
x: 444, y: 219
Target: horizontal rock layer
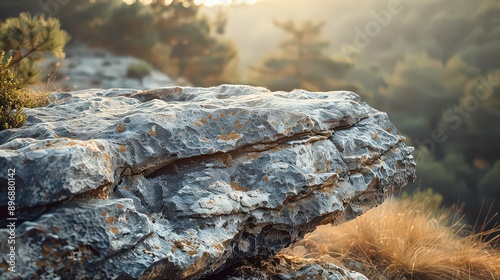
x: 181, y: 183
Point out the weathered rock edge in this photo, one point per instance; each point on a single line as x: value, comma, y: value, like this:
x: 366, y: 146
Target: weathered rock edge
x: 179, y: 183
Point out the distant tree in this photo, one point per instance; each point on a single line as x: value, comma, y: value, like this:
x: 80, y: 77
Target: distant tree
x: 195, y: 52
x: 419, y: 90
x: 175, y: 38
x: 479, y: 115
x: 302, y: 63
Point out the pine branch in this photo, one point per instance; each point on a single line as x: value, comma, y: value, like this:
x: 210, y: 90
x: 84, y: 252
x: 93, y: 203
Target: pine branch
x: 34, y: 49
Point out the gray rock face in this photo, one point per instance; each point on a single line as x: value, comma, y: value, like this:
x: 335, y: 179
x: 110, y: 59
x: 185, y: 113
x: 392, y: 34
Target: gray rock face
x: 87, y: 68
x: 181, y: 183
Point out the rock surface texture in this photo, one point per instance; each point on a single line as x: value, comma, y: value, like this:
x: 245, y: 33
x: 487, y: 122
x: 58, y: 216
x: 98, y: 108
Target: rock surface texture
x: 182, y: 183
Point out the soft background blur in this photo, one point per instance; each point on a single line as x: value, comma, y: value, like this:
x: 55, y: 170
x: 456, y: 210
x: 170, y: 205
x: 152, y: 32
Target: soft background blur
x: 432, y: 65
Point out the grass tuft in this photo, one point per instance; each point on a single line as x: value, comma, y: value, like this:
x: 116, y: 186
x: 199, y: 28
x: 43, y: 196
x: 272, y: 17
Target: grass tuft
x: 411, y: 238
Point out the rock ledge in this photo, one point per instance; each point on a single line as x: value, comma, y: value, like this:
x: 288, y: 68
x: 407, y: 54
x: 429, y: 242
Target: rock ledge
x: 181, y: 183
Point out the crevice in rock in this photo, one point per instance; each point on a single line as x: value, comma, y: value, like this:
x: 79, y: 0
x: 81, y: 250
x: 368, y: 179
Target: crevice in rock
x: 260, y: 147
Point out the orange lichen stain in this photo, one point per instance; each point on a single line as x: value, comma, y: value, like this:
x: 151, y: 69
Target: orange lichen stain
x: 266, y: 179
x: 227, y: 159
x: 230, y: 136
x: 197, y: 124
x: 114, y: 230
x: 122, y: 148
x: 218, y: 246
x: 210, y: 116
x: 125, y: 188
x: 41, y: 263
x: 192, y: 252
x: 48, y: 144
x: 375, y: 136
x: 104, y: 213
x: 222, y: 115
x: 120, y: 128
x: 148, y: 252
x: 389, y: 129
x: 233, y: 113
x: 152, y: 132
x: 216, y: 119
x: 179, y: 244
x: 156, y: 247
x: 5, y: 266
x: 238, y: 125
x: 107, y: 157
x: 203, y: 121
x: 46, y: 249
x: 237, y: 187
x: 110, y: 220
x: 119, y: 206
x: 248, y: 130
x: 55, y: 229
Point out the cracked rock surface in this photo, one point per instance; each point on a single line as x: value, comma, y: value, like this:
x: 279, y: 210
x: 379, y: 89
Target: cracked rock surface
x: 182, y: 183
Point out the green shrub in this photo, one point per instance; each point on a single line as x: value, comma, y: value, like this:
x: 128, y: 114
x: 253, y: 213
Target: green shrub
x: 12, y: 98
x: 138, y: 70
x: 27, y: 40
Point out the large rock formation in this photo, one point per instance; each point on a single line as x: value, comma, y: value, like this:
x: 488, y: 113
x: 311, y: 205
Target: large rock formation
x: 182, y: 183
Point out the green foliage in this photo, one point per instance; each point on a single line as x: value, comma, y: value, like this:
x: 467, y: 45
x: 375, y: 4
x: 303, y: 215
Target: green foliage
x: 489, y: 185
x: 175, y: 38
x: 447, y: 176
x: 28, y: 39
x: 138, y: 70
x: 416, y: 109
x: 12, y: 98
x: 302, y: 63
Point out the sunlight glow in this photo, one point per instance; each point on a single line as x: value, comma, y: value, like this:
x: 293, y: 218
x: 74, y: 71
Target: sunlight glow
x: 208, y: 3
x: 211, y: 3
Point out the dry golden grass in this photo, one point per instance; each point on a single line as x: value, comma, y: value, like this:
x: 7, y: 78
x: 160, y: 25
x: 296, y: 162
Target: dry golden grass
x: 39, y: 99
x: 405, y: 239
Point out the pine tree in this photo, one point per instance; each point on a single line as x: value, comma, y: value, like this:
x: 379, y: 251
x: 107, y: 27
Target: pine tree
x: 195, y: 53
x: 302, y: 62
x: 27, y: 39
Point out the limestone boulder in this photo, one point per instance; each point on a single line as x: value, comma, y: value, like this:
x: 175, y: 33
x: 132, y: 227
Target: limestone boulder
x: 183, y: 183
